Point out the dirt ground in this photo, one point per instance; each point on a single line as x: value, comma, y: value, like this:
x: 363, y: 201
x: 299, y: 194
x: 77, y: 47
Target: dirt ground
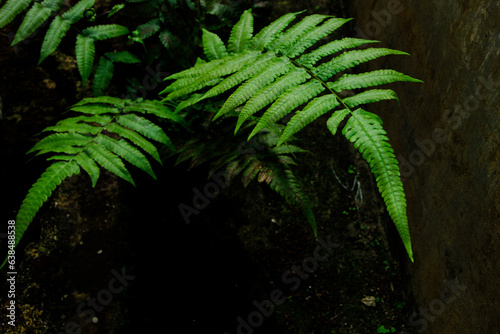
x: 117, y: 259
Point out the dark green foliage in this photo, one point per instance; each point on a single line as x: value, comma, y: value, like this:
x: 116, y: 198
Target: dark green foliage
x: 277, y: 72
x: 40, y: 12
x: 106, y: 133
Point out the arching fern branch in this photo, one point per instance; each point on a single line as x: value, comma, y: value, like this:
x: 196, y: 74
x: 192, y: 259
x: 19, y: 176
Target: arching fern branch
x: 106, y: 133
x: 278, y: 72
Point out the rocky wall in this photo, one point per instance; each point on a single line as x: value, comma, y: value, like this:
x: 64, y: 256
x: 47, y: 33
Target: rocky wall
x: 446, y: 136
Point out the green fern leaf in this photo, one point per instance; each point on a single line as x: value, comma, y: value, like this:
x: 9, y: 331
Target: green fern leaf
x: 314, y: 35
x: 287, y: 102
x: 213, y: 46
x: 350, y: 59
x: 269, y: 33
x: 370, y: 96
x: 369, y: 79
x: 285, y: 183
x: 69, y: 125
x: 77, y: 12
x: 149, y: 28
x: 310, y: 59
x: 115, y: 102
x: 108, y: 160
x: 58, y: 28
x: 85, y: 51
x: 135, y: 138
x: 208, y: 74
x: 296, y: 32
x: 37, y: 15
x: 272, y: 73
x: 241, y: 33
x: 270, y: 93
x: 11, y: 9
x: 107, y: 31
x: 365, y: 131
x: 159, y: 110
x: 57, y: 140
x: 103, y: 75
x: 275, y: 68
x: 317, y: 107
x: 105, y: 136
x: 88, y: 165
x: 96, y: 109
x: 333, y: 122
x: 41, y: 191
x: 143, y: 126
x: 128, y: 152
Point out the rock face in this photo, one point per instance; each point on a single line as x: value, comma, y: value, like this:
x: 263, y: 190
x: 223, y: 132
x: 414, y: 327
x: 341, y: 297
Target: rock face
x: 446, y: 137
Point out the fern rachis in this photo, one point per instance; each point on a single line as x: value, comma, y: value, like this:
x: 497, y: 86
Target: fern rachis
x: 278, y: 71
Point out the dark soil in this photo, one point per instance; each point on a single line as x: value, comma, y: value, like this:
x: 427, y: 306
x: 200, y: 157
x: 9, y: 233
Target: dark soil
x: 217, y: 274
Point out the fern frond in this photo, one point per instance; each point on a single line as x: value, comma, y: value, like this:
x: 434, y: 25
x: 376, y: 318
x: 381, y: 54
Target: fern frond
x: 365, y: 131
x: 269, y: 33
x: 310, y: 59
x: 333, y: 122
x: 314, y: 35
x: 88, y: 165
x: 370, y: 96
x: 58, y: 28
x: 237, y: 78
x: 369, y: 79
x: 85, y: 51
x: 103, y: 75
x: 213, y: 46
x: 143, y: 126
x: 287, y: 102
x: 241, y: 33
x: 106, y: 31
x: 41, y: 191
x: 108, y: 160
x: 263, y: 78
x: 136, y: 138
x: 274, y: 73
x: 128, y: 152
x: 86, y: 142
x: 350, y: 59
x: 11, y: 9
x: 268, y: 94
x: 37, y: 15
x: 314, y: 109
x: 149, y: 28
x: 77, y: 12
x: 296, y: 32
x: 286, y: 184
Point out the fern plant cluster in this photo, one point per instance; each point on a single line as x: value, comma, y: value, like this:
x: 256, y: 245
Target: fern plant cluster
x: 263, y: 88
x: 279, y: 71
x: 105, y: 134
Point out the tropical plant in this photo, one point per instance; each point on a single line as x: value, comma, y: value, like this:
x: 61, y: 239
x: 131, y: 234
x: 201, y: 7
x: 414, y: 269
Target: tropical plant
x: 40, y: 13
x: 279, y: 69
x: 261, y: 78
x: 106, y: 132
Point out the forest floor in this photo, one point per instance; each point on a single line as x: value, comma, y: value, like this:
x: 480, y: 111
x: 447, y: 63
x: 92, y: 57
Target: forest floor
x: 117, y: 259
